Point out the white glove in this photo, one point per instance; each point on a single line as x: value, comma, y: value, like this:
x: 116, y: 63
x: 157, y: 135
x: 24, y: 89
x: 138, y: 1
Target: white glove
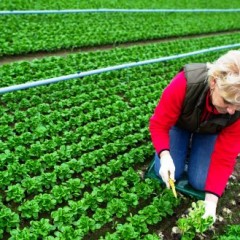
x: 167, y: 166
x: 210, y: 202
x: 210, y: 209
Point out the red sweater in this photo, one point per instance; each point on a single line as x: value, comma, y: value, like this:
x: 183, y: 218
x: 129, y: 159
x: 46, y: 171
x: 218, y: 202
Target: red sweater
x: 227, y: 145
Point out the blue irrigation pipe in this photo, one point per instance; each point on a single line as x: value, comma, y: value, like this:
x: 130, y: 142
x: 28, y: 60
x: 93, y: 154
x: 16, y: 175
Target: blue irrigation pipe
x: 104, y: 10
x: 112, y: 68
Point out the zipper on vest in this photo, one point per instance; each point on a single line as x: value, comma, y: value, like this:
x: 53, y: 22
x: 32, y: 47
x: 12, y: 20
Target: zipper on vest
x: 198, y: 117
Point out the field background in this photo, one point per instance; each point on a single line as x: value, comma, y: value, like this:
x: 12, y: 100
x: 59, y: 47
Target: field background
x: 73, y: 154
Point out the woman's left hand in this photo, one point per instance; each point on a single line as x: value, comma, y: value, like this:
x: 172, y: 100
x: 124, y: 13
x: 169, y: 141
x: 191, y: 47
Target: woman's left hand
x: 211, y: 201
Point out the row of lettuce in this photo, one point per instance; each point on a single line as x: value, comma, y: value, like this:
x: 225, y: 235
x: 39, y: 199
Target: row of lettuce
x: 21, y: 34
x: 84, y: 4
x: 71, y: 153
x: 45, y: 68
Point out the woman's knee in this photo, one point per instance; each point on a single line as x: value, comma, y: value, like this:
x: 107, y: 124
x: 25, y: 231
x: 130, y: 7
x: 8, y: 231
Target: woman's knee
x: 178, y: 174
x: 196, y: 182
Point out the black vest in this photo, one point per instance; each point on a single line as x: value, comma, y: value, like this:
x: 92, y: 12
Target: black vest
x: 195, y: 100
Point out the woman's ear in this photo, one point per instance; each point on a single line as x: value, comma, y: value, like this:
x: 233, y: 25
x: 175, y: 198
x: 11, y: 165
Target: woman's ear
x: 212, y: 83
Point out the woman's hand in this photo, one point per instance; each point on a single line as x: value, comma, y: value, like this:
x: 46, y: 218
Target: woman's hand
x: 167, y: 166
x: 211, y: 201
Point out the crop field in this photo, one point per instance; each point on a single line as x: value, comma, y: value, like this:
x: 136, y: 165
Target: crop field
x: 73, y: 154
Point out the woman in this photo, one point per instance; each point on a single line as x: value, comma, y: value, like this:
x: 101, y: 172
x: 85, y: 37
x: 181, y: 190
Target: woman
x: 201, y: 107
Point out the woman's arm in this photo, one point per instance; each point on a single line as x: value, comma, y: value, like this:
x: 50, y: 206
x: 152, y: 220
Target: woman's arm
x: 167, y: 112
x: 223, y: 158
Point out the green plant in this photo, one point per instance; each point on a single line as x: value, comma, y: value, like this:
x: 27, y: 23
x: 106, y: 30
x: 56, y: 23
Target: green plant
x: 45, y: 201
x: 8, y: 219
x: 194, y: 223
x: 15, y: 193
x: 41, y: 228
x: 29, y: 209
x: 232, y: 232
x: 62, y: 216
x: 151, y: 237
x: 22, y: 234
x: 127, y: 231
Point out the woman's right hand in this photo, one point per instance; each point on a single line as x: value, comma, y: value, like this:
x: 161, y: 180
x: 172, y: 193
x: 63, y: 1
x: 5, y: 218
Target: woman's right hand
x: 167, y: 166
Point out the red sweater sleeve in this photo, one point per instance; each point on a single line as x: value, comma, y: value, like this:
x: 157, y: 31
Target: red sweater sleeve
x: 167, y: 112
x: 223, y: 158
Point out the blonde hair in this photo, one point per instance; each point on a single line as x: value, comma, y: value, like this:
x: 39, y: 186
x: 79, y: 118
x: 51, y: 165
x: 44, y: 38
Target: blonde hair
x: 226, y: 72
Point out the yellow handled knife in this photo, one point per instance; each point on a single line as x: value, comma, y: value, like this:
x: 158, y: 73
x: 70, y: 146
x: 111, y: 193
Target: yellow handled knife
x: 172, y: 185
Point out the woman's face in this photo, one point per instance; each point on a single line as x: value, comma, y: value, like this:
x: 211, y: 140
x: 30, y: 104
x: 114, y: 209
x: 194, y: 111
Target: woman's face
x: 219, y: 102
